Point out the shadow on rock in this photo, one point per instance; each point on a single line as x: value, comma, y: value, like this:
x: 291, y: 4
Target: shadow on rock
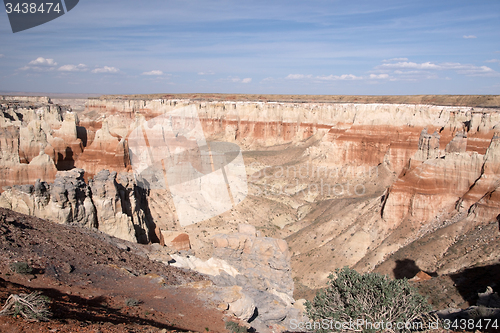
x: 469, y: 282
x: 407, y: 268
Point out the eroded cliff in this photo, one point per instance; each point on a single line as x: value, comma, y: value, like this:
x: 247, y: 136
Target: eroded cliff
x: 342, y: 183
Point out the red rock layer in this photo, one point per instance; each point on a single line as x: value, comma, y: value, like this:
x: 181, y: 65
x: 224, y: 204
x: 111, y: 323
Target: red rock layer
x: 244, y: 130
x: 105, y: 152
x: 371, y: 145
x: 12, y: 172
x: 41, y: 167
x: 455, y: 180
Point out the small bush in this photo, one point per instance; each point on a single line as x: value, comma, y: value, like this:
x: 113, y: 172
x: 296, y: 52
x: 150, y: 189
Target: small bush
x: 235, y: 327
x: 21, y: 267
x: 131, y: 302
x: 369, y: 297
x: 32, y: 307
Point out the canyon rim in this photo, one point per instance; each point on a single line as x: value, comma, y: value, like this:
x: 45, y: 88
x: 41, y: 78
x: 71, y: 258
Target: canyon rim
x: 305, y: 184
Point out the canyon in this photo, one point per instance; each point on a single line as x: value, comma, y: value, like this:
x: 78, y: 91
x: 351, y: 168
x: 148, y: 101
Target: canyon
x: 364, y: 182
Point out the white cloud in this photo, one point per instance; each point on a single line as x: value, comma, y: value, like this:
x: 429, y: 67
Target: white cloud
x: 298, y: 76
x: 408, y: 72
x: 106, y: 69
x: 341, y: 77
x: 1, y: 56
x: 235, y: 79
x: 40, y: 61
x: 423, y: 68
x: 73, y: 68
x: 493, y: 60
x: 379, y: 76
x: 470, y: 70
x: 412, y: 75
x: 153, y: 72
x: 469, y: 36
x: 40, y: 64
x: 406, y: 64
x: 395, y: 59
x: 324, y: 77
x: 478, y: 71
x: 206, y: 73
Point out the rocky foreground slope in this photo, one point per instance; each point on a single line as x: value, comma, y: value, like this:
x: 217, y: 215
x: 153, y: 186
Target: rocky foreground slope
x: 89, y: 277
x: 365, y: 185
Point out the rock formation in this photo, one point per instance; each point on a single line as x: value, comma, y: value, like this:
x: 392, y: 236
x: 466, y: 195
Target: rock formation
x: 105, y: 152
x: 110, y: 203
x: 344, y: 183
x: 264, y: 261
x: 66, y: 143
x: 33, y: 127
x: 487, y: 310
x: 253, y: 277
x: 176, y: 240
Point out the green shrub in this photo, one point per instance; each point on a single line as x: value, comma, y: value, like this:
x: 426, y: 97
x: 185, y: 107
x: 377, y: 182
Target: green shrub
x: 235, y: 327
x: 370, y: 297
x: 21, y: 267
x: 131, y: 302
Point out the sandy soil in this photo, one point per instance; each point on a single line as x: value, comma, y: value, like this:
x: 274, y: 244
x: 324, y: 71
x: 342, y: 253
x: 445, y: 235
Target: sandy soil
x: 90, y: 280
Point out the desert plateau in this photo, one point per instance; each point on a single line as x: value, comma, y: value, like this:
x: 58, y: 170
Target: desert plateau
x: 404, y: 186
x: 277, y: 166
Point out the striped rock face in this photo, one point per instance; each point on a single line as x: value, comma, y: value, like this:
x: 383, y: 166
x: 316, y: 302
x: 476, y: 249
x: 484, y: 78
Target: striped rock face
x: 343, y: 183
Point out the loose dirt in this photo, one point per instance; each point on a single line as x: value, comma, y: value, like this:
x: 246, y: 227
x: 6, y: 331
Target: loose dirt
x: 90, y: 277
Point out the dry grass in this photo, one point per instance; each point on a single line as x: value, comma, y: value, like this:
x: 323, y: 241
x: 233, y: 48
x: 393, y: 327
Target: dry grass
x: 32, y: 307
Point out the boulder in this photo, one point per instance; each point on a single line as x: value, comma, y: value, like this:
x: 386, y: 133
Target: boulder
x: 489, y: 298
x: 175, y: 240
x: 252, y: 277
x: 243, y: 307
x: 421, y: 276
x: 264, y: 261
x: 212, y: 266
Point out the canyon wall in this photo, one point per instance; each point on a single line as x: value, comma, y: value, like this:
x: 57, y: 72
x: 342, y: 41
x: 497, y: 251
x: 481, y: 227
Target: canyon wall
x: 417, y: 169
x: 343, y: 183
x: 109, y: 202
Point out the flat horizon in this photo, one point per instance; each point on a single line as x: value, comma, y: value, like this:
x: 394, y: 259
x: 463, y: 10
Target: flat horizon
x: 279, y: 47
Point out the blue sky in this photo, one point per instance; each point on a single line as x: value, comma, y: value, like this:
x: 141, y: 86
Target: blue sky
x: 273, y: 47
